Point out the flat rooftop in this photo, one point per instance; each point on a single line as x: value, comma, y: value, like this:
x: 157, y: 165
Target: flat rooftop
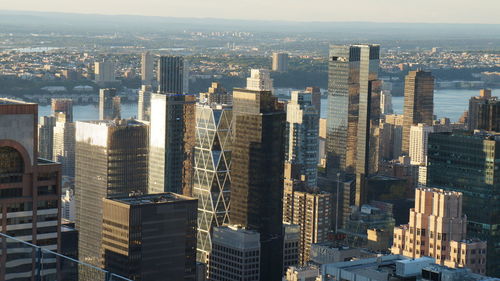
x: 115, y: 123
x: 12, y: 101
x: 147, y: 199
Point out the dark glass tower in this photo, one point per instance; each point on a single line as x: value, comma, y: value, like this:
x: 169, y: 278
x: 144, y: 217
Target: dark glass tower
x: 353, y: 112
x: 257, y: 173
x: 172, y: 74
x: 111, y: 160
x: 419, y: 103
x: 470, y: 163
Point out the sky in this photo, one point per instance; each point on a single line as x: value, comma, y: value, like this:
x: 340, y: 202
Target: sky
x: 422, y: 11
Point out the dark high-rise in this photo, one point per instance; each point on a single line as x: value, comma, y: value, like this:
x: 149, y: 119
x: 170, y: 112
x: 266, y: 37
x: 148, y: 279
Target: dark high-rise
x: 111, y: 160
x: 109, y: 104
x: 257, y: 173
x: 419, y: 103
x: 353, y: 112
x: 484, y: 112
x: 150, y: 237
x: 172, y: 75
x: 470, y: 163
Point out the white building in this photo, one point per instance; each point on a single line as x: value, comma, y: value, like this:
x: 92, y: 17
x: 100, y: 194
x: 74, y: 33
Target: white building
x: 147, y: 66
x: 64, y: 144
x: 386, y: 102
x: 419, y: 134
x: 68, y: 205
x: 260, y: 80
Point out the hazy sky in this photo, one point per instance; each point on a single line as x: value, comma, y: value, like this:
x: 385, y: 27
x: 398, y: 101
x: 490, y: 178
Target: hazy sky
x: 442, y: 11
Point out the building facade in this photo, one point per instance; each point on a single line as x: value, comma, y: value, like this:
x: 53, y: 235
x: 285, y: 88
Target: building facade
x: 216, y: 94
x: 150, y: 237
x: 419, y: 103
x: 419, y: 134
x: 173, y: 75
x: 259, y: 80
x: 46, y: 136
x: 212, y: 165
x: 144, y: 103
x: 147, y: 67
x: 109, y: 104
x: 64, y: 144
x: 104, y: 72
x: 111, y: 160
x: 280, y: 62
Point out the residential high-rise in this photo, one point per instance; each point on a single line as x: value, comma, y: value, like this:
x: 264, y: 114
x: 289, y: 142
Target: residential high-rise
x: 316, y: 97
x: 419, y: 103
x: 30, y: 189
x: 111, y: 160
x: 312, y: 211
x: 172, y: 143
x: 353, y: 113
x: 63, y: 105
x: 391, y: 137
x: 147, y: 66
x: 259, y: 80
x: 302, y: 146
x: 386, y: 103
x: 257, y: 173
x: 419, y: 135
x: 470, y: 163
x: 64, y: 144
x: 172, y: 75
x: 436, y: 223
x: 109, y: 104
x: 212, y: 164
x: 144, y: 103
x: 291, y: 241
x: 46, y: 136
x: 236, y: 254
x: 473, y: 113
x: 216, y: 94
x: 104, y: 72
x: 280, y: 62
x: 484, y: 112
x: 150, y: 237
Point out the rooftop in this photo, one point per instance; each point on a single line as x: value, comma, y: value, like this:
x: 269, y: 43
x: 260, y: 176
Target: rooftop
x: 12, y: 101
x: 146, y: 199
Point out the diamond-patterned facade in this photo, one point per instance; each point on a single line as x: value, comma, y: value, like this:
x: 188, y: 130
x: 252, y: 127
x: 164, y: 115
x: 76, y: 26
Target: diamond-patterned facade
x: 212, y: 162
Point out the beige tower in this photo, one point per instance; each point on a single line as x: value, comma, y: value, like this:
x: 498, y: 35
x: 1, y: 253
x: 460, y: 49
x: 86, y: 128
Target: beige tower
x: 437, y: 228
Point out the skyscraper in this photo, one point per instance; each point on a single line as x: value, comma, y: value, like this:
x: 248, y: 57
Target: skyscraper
x: 386, y: 102
x: 302, y: 146
x: 243, y: 262
x: 111, y: 160
x: 212, y: 163
x: 104, y: 72
x: 436, y: 228
x: 353, y: 113
x: 419, y: 103
x: 172, y: 75
x: 109, y: 104
x: 316, y: 97
x: 29, y: 191
x: 280, y: 62
x: 147, y: 66
x: 473, y: 113
x: 216, y: 94
x: 172, y: 143
x: 150, y: 237
x: 144, y: 103
x: 64, y: 144
x: 484, y: 112
x: 46, y: 136
x: 257, y: 173
x: 259, y: 80
x: 470, y: 163
x: 63, y: 105
x: 419, y: 135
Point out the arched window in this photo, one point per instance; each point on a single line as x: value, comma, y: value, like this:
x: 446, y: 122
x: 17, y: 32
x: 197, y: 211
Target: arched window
x: 11, y: 165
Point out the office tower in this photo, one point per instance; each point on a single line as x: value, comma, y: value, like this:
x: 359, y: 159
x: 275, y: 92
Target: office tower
x: 259, y: 80
x: 316, y: 98
x: 68, y: 205
x: 436, y: 222
x: 322, y: 142
x: 172, y: 143
x: 312, y: 211
x: 216, y: 94
x: 291, y: 241
x: 172, y: 75
x: 302, y: 145
x: 386, y: 103
x: 484, y: 112
x: 243, y: 262
x: 64, y: 144
x: 144, y: 103
x: 391, y: 137
x: 63, y: 105
x: 46, y: 136
x: 212, y: 164
x: 419, y: 135
x: 111, y: 160
x: 419, y: 103
x: 109, y: 104
x: 280, y: 62
x: 353, y: 113
x: 104, y: 72
x: 150, y: 237
x: 29, y: 191
x: 257, y: 173
x: 470, y: 163
x: 147, y: 66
